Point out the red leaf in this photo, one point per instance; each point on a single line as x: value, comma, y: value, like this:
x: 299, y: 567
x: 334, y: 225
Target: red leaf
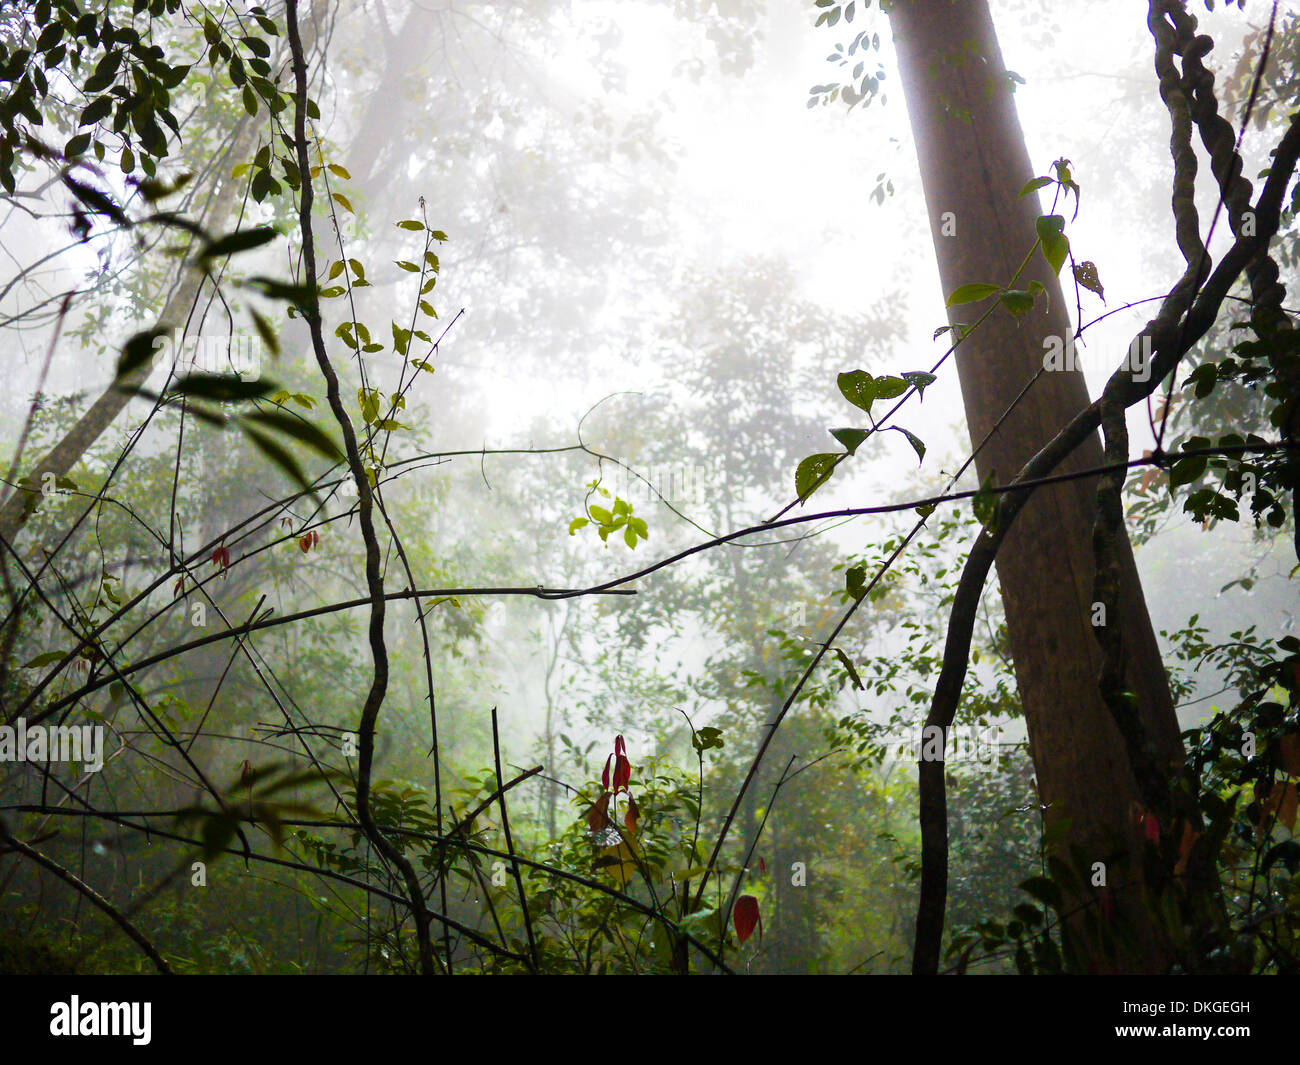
x: 604, y: 777
x: 1283, y: 800
x: 632, y: 815
x: 598, y: 817
x: 619, y: 746
x: 1151, y: 827
x: 1190, y: 836
x: 762, y: 866
x: 178, y: 587
x: 221, y: 557
x: 622, y: 772
x: 745, y: 917
x: 1289, y: 753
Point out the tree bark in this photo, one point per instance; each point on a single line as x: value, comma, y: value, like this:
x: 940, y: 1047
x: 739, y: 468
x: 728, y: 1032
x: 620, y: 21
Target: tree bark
x: 974, y: 164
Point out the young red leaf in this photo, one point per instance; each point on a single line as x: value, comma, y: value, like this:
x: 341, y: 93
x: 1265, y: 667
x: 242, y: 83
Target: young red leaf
x: 745, y: 917
x: 622, y: 772
x: 1150, y: 826
x: 604, y: 777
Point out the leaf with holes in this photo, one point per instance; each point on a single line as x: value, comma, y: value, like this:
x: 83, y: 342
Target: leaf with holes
x: 813, y: 472
x: 1086, y: 274
x: 918, y: 445
x: 858, y: 387
x: 920, y: 380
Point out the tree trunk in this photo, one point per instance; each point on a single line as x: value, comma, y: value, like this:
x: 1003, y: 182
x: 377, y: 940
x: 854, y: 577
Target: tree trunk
x: 184, y: 294
x: 974, y: 164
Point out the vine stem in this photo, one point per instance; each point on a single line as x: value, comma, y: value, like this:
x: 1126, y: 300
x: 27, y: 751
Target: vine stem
x: 429, y: 964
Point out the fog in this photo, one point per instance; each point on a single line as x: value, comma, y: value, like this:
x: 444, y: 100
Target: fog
x: 656, y: 246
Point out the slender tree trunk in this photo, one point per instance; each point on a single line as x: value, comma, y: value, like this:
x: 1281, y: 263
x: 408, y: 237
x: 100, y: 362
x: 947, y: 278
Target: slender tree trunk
x: 973, y: 166
x: 61, y: 458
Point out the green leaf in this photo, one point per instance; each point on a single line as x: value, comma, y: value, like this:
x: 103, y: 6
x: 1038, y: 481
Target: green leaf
x: 813, y: 472
x: 138, y: 350
x: 855, y: 581
x: 48, y: 658
x: 985, y: 501
x: 221, y: 388
x: 890, y: 387
x: 409, y: 223
x: 1018, y: 301
x: 858, y: 387
x: 1034, y: 185
x: 920, y: 380
x: 299, y: 428
x: 280, y: 456
x: 972, y: 293
x: 1055, y: 244
x: 917, y: 443
x: 98, y: 109
x: 1186, y: 470
x: 850, y: 438
x: 848, y: 666
x: 239, y: 241
x: 1086, y: 274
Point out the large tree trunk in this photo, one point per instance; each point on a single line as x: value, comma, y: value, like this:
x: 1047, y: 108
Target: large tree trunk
x: 974, y: 164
